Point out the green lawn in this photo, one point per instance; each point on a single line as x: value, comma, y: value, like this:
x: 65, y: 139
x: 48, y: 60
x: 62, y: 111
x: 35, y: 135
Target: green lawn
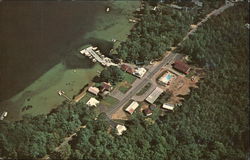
x: 124, y: 89
x: 86, y: 98
x: 109, y: 101
x: 129, y: 78
x: 126, y: 84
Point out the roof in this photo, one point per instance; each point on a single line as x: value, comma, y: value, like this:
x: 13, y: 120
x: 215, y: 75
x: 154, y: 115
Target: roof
x: 181, y: 66
x: 147, y: 112
x: 120, y: 129
x: 94, y: 90
x: 140, y: 72
x: 131, y: 108
x: 168, y: 106
x: 127, y: 68
x: 106, y: 86
x: 92, y: 102
x: 154, y: 95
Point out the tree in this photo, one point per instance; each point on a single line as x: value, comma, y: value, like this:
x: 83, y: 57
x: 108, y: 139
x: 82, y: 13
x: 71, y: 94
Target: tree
x: 111, y: 74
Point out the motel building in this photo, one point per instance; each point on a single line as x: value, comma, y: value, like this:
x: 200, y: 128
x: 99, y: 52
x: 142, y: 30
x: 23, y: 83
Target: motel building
x: 181, y: 67
x: 132, y: 107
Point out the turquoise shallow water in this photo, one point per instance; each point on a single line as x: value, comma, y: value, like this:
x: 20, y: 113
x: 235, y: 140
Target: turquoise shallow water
x: 37, y: 35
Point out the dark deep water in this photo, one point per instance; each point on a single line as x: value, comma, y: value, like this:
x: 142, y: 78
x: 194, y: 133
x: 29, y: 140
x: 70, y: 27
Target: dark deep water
x: 34, y: 36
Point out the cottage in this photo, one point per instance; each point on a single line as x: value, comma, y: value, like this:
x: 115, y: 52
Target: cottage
x: 93, y: 102
x: 120, y: 129
x: 139, y: 72
x: 168, y: 106
x: 94, y: 90
x: 154, y: 95
x: 181, y: 66
x: 106, y: 87
x: 127, y: 68
x: 132, y: 107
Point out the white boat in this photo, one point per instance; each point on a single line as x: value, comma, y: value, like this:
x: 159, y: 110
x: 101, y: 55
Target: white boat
x: 5, y: 114
x: 60, y: 93
x: 93, y: 60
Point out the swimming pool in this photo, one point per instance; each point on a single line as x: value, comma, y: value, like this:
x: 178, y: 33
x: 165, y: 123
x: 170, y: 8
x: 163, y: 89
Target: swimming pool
x: 168, y: 77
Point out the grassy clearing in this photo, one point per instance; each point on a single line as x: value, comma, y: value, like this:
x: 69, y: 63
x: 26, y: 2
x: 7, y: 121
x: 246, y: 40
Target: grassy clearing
x: 124, y: 87
x: 127, y: 82
x: 144, y: 89
x: 109, y: 101
x: 129, y: 78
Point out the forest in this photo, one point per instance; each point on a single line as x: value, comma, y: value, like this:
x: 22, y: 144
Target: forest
x: 160, y: 29
x: 211, y: 124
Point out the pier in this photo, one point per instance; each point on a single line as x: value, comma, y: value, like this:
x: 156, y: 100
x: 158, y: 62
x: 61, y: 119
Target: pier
x: 97, y: 56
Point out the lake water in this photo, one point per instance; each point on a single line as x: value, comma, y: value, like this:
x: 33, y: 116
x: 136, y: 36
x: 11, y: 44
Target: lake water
x: 37, y: 35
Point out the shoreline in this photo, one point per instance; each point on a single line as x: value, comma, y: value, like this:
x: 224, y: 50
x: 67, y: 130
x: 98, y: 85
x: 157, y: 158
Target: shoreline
x: 42, y: 93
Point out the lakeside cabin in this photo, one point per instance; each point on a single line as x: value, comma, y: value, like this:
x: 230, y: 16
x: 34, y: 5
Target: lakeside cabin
x: 154, y: 95
x: 106, y: 87
x: 127, y: 68
x: 92, y: 102
x: 181, y: 67
x: 132, y: 107
x: 94, y: 90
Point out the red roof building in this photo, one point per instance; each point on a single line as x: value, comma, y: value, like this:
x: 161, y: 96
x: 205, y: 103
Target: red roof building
x: 106, y: 87
x: 127, y: 68
x: 181, y: 66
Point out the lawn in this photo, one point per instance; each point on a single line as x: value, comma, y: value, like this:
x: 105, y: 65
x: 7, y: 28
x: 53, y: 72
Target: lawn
x: 129, y: 78
x: 109, y: 101
x: 126, y: 84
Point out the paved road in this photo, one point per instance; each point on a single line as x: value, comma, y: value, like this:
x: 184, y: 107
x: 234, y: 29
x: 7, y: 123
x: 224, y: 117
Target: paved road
x: 142, y: 82
x: 137, y: 85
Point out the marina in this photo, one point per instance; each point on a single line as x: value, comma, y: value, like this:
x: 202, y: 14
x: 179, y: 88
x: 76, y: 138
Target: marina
x: 96, y: 56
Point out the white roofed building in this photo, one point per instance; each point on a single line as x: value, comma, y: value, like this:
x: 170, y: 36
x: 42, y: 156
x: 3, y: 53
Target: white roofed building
x: 168, y: 106
x: 154, y: 95
x: 94, y: 90
x: 132, y: 107
x: 139, y: 72
x: 93, y: 102
x: 120, y: 129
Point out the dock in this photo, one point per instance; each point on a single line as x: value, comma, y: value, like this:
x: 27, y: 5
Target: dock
x: 96, y: 56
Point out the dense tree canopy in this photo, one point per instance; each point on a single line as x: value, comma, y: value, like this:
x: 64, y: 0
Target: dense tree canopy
x: 211, y: 124
x: 111, y: 74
